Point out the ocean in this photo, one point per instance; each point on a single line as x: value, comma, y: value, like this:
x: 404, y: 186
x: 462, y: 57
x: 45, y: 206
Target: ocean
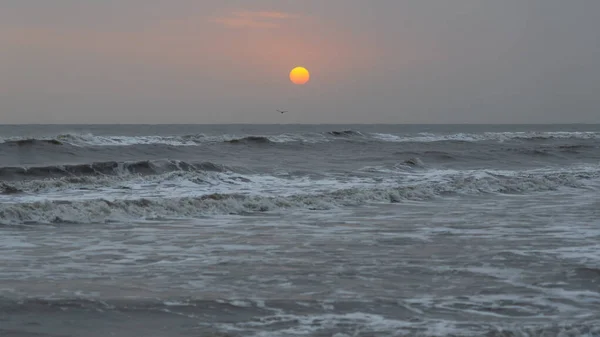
x: 299, y: 230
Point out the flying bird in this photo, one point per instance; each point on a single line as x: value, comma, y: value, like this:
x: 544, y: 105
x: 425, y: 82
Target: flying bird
x: 282, y: 111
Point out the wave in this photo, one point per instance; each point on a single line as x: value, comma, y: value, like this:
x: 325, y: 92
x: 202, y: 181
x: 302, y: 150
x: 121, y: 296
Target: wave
x: 575, y: 148
x: 435, y: 155
x: 345, y: 133
x: 8, y: 189
x: 32, y: 142
x: 83, y: 140
x: 452, y: 183
x: 425, y: 137
x: 413, y: 162
x: 176, y: 182
x: 302, y: 317
x: 110, y: 168
x: 89, y: 139
x: 250, y: 140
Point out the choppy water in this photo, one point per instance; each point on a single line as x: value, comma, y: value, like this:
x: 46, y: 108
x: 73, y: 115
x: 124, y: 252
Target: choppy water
x: 300, y: 230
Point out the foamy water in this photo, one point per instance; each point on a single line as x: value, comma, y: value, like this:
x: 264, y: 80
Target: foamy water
x: 362, y: 233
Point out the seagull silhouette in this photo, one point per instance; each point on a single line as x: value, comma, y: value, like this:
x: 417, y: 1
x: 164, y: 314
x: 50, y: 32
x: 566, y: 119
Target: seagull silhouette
x: 282, y: 111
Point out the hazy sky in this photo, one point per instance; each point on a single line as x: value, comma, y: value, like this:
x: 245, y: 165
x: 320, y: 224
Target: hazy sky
x: 378, y: 61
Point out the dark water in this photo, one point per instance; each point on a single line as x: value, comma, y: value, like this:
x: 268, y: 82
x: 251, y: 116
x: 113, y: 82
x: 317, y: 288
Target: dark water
x: 295, y: 230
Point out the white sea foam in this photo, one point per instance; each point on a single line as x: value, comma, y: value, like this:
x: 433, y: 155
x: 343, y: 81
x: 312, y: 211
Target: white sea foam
x: 88, y: 139
x: 485, y: 136
x: 361, y: 323
x: 190, y: 195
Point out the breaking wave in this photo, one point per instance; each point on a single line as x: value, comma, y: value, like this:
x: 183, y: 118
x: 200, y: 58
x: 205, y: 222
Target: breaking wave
x: 8, y: 189
x: 83, y: 140
x: 32, y: 142
x: 106, y: 168
x: 414, y: 162
x: 470, y: 183
x: 250, y: 140
x: 425, y: 137
x: 345, y: 135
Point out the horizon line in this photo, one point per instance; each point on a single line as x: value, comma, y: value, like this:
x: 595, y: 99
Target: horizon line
x: 182, y: 124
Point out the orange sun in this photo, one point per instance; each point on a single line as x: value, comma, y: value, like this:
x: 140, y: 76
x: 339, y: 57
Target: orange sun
x: 299, y: 75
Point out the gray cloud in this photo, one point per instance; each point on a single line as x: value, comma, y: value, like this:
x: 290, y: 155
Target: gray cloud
x: 413, y: 61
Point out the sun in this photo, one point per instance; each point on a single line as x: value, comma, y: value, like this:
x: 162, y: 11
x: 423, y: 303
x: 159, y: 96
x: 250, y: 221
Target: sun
x: 299, y: 75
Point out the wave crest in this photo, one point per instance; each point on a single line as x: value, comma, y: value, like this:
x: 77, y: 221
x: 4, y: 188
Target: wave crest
x: 250, y: 140
x: 345, y: 133
x: 33, y: 142
x: 83, y: 140
x: 102, y: 210
x: 107, y: 168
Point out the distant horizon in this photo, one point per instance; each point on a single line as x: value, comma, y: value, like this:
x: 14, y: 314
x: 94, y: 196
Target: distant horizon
x: 221, y: 124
